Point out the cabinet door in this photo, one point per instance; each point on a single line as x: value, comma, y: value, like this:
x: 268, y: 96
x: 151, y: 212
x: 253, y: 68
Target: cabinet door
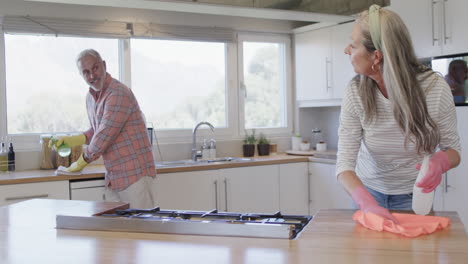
x: 14, y: 193
x: 423, y: 19
x: 252, y: 189
x: 88, y: 194
x: 313, y: 65
x: 454, y: 25
x: 456, y: 182
x: 294, y: 190
x: 342, y: 69
x: 325, y: 191
x: 195, y: 190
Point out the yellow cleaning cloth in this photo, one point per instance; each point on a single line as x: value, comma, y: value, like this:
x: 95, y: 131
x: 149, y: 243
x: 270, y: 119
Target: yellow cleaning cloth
x: 410, y: 225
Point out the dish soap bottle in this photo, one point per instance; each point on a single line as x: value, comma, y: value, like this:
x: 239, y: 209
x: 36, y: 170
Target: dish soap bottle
x: 422, y: 202
x: 11, y: 157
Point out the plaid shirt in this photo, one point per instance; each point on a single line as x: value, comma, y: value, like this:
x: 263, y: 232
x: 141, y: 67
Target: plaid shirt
x: 118, y: 133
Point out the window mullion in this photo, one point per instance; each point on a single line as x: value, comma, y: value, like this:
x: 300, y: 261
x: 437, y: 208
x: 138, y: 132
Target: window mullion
x: 3, y: 101
x: 125, y: 67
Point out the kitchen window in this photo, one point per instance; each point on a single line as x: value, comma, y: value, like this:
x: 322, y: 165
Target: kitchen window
x: 180, y: 83
x: 235, y: 85
x: 264, y: 74
x: 44, y: 90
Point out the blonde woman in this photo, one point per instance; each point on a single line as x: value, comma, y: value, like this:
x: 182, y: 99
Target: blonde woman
x: 394, y: 113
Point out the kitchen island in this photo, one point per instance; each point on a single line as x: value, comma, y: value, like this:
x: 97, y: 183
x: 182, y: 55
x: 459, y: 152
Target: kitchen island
x: 28, y: 235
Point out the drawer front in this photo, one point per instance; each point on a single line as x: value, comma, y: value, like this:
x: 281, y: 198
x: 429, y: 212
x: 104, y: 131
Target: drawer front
x: 14, y: 193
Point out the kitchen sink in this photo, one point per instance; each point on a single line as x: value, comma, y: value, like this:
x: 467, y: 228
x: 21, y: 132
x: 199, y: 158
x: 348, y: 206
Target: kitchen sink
x: 183, y: 163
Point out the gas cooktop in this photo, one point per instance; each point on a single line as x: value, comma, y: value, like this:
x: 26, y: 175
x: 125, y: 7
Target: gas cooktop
x: 212, y: 222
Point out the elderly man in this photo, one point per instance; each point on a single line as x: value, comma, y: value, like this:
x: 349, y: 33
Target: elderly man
x: 457, y: 74
x: 118, y: 133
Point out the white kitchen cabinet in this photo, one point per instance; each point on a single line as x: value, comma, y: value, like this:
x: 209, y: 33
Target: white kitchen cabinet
x: 13, y: 193
x: 87, y: 190
x: 325, y: 191
x: 313, y: 58
x: 456, y: 21
x: 194, y: 190
x: 253, y: 189
x: 322, y: 68
x: 342, y: 69
x: 451, y: 195
x: 437, y: 27
x: 294, y: 188
x: 250, y: 189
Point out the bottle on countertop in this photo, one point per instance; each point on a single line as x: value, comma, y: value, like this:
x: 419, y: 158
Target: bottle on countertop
x: 422, y: 202
x: 3, y: 158
x: 212, y: 148
x: 11, y: 158
x: 317, y: 138
x: 205, y: 150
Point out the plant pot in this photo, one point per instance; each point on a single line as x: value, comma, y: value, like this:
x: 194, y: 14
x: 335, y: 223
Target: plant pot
x: 249, y: 150
x: 263, y: 149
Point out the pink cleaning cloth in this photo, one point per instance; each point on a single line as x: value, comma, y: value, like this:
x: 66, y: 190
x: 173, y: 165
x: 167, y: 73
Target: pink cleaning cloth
x: 410, y: 225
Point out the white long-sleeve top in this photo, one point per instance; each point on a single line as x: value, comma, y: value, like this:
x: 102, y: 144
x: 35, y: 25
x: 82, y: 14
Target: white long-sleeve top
x: 376, y: 150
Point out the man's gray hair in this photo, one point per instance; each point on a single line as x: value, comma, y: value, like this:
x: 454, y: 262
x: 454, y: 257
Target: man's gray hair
x: 88, y: 52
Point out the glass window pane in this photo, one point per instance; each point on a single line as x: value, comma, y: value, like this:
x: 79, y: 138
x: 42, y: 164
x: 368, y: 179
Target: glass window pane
x: 264, y: 78
x: 180, y: 83
x: 45, y: 92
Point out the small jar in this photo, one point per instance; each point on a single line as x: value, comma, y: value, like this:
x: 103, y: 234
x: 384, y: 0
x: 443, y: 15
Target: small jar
x: 205, y: 150
x: 212, y: 149
x: 62, y: 156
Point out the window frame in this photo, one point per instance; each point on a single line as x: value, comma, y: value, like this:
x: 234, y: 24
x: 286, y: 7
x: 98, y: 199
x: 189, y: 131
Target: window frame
x: 184, y: 135
x: 288, y: 100
x: 235, y: 129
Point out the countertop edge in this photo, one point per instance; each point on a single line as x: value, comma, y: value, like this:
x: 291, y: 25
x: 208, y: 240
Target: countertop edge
x: 98, y: 171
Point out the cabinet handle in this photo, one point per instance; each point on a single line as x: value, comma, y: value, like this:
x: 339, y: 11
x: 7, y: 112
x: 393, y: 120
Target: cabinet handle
x: 327, y: 72
x: 446, y: 186
x: 26, y: 197
x: 308, y: 184
x: 225, y: 194
x: 434, y: 2
x: 445, y: 23
x: 216, y: 194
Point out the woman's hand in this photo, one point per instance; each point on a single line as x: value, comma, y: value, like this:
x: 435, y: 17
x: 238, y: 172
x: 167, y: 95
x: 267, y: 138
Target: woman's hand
x: 367, y: 203
x: 438, y: 165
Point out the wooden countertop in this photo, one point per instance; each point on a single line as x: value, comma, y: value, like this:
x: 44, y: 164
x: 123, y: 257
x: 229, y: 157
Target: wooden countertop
x: 28, y: 235
x: 98, y: 171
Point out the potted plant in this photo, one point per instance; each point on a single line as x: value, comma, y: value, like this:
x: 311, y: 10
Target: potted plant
x: 263, y: 146
x: 249, y: 144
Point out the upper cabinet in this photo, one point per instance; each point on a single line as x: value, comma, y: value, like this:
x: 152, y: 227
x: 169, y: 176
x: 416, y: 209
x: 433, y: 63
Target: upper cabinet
x: 322, y: 69
x: 437, y: 27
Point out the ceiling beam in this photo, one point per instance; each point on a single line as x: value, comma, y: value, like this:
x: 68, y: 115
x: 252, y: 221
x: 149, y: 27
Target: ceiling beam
x: 212, y: 9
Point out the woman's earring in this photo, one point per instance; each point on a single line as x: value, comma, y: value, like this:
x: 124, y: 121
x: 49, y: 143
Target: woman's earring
x: 372, y: 67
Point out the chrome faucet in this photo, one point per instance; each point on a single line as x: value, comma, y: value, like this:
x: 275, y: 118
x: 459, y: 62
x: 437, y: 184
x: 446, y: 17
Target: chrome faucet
x: 195, y: 153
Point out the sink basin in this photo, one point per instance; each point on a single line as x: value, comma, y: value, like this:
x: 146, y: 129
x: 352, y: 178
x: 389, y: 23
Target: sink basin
x: 182, y: 163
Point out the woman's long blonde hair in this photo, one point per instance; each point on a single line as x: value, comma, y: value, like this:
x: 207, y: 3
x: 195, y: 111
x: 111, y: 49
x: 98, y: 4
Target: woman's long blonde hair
x: 400, y: 69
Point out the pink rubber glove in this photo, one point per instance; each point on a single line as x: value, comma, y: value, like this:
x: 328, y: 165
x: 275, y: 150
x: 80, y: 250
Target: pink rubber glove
x: 367, y: 203
x: 438, y: 165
